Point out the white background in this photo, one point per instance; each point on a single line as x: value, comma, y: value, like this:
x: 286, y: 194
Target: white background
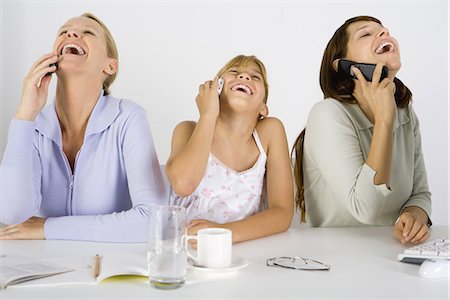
x: 167, y: 49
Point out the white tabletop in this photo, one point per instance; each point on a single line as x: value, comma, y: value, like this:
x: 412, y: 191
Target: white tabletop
x: 363, y: 266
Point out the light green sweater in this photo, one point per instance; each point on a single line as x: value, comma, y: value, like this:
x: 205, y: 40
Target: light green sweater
x: 339, y: 185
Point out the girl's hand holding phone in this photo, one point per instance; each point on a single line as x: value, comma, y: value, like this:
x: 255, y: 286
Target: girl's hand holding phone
x: 35, y: 87
x: 379, y: 95
x: 208, y: 98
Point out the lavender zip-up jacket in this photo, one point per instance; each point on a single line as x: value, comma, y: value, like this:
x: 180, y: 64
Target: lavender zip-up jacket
x: 116, y: 176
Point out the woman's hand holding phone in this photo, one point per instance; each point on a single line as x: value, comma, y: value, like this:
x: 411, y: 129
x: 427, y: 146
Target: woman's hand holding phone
x: 35, y: 87
x: 208, y: 98
x: 378, y: 95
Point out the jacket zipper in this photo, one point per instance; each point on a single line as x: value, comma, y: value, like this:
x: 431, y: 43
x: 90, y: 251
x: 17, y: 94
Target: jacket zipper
x: 71, y: 180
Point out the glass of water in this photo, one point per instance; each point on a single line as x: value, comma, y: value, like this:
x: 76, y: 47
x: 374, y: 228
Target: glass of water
x: 166, y: 251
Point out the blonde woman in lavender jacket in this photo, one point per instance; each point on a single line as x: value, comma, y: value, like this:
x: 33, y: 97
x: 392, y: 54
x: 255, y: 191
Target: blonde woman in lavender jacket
x: 83, y: 167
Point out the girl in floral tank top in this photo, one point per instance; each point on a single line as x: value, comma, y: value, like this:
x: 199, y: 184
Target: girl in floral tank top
x: 220, y: 165
x: 225, y: 195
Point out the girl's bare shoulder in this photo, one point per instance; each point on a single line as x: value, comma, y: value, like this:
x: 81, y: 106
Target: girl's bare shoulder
x: 270, y: 130
x: 269, y: 125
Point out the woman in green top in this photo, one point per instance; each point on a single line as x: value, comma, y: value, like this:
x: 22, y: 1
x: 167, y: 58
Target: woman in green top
x: 359, y: 161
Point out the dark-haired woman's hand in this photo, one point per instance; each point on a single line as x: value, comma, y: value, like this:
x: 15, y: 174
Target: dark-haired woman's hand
x: 379, y: 96
x: 411, y: 226
x: 35, y: 87
x: 377, y: 101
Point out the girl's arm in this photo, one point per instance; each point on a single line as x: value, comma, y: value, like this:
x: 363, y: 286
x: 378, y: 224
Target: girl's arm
x: 191, y: 143
x: 278, y: 216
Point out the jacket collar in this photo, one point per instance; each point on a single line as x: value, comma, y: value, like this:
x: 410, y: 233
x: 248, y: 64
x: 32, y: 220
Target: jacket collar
x: 103, y: 115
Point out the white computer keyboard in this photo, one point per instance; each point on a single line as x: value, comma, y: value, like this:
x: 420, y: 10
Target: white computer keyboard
x: 435, y: 249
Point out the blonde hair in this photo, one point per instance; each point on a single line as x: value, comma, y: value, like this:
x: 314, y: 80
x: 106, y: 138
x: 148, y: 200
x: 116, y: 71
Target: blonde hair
x: 241, y: 61
x: 111, y: 50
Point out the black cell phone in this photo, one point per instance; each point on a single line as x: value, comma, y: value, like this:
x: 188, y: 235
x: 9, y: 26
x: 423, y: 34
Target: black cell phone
x: 51, y: 65
x: 344, y: 68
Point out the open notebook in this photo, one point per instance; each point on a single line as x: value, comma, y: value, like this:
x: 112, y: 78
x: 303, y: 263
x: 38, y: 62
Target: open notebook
x: 111, y: 264
x: 15, y: 269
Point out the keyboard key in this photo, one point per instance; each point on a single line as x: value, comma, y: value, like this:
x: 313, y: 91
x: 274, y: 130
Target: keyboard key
x: 437, y: 248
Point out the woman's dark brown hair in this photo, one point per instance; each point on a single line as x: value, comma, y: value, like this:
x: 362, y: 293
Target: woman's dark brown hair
x: 340, y: 88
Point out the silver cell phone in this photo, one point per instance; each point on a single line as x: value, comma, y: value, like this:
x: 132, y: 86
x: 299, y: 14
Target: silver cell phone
x: 220, y: 85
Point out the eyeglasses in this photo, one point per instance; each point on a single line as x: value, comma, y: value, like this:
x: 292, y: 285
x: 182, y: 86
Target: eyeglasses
x: 297, y: 263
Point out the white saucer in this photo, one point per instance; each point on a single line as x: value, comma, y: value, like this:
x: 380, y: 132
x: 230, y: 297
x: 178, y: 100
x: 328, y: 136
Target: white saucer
x: 236, y: 264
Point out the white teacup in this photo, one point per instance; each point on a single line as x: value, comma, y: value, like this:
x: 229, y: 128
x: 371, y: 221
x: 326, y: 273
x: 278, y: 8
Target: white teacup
x: 213, y: 248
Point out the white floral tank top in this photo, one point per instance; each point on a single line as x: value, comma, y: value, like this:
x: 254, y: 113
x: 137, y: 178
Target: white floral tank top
x: 225, y: 195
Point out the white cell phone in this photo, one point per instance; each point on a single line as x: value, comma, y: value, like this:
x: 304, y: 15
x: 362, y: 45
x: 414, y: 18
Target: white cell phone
x: 220, y: 85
